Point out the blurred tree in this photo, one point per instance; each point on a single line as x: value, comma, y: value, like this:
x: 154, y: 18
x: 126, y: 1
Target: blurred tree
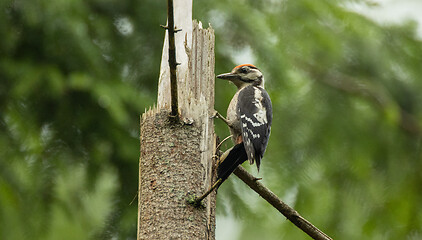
x: 74, y: 80
x: 75, y: 75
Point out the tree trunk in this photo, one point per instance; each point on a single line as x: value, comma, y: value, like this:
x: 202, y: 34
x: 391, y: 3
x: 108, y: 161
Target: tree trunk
x: 176, y: 157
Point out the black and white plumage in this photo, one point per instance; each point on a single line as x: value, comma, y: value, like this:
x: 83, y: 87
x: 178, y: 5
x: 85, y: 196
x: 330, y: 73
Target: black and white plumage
x: 256, y: 118
x: 249, y: 117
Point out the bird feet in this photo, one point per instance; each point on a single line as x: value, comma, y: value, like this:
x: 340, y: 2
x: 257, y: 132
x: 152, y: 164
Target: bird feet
x: 216, y: 114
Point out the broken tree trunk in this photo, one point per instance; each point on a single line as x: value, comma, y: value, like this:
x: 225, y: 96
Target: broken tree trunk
x: 176, y: 156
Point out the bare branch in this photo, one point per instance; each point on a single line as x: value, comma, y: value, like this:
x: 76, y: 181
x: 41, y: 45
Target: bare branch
x: 172, y: 59
x: 282, y: 207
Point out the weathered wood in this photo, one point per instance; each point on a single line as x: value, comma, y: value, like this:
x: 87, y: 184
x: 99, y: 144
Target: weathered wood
x: 170, y: 171
x: 182, y: 20
x: 176, y: 158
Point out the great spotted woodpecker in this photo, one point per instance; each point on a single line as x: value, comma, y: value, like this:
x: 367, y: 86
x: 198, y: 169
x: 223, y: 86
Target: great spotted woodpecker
x: 249, y: 118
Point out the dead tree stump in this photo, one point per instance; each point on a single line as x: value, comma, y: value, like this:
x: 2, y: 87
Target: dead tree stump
x: 176, y: 157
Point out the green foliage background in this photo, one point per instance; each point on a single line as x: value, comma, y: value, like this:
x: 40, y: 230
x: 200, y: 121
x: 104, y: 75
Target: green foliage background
x: 345, y: 145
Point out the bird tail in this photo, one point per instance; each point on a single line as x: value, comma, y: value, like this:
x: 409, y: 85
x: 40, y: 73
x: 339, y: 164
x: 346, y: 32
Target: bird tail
x: 235, y: 157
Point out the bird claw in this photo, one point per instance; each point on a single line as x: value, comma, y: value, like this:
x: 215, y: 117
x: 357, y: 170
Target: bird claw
x: 257, y: 179
x: 218, y: 115
x: 215, y: 115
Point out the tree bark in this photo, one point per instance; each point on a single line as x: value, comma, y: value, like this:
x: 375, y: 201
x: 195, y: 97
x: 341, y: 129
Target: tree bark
x: 176, y: 158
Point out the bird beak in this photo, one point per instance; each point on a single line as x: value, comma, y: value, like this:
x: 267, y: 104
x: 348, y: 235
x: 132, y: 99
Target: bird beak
x: 227, y: 76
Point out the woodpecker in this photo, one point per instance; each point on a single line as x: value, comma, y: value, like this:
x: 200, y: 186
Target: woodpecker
x: 249, y: 118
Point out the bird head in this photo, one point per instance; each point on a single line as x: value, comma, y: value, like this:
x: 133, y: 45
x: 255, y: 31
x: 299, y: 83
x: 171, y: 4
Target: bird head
x: 244, y: 75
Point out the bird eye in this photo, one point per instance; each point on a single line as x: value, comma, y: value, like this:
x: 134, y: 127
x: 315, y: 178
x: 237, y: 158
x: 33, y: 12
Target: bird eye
x: 243, y: 70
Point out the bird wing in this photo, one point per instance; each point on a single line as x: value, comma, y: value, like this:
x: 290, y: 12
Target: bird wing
x: 255, y: 110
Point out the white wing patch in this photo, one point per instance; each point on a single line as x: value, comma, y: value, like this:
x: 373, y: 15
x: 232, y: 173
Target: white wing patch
x: 255, y: 124
x: 261, y: 115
